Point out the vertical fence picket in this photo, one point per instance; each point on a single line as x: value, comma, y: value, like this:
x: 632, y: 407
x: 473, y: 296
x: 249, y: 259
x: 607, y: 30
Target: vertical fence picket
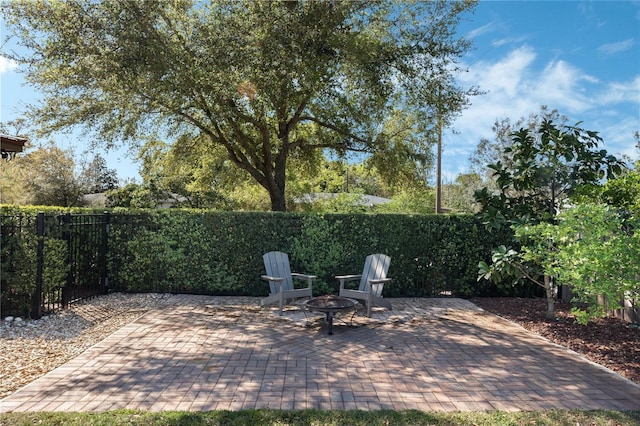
x: 36, y: 309
x: 105, y: 247
x: 65, y: 220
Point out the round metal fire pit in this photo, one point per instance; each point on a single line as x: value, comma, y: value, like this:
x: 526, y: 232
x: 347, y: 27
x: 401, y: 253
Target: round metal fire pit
x: 330, y: 305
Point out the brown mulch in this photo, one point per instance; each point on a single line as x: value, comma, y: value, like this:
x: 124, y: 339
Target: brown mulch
x: 610, y: 342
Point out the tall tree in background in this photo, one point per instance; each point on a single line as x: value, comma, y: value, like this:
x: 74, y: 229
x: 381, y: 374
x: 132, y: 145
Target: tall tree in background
x: 46, y: 174
x: 43, y: 176
x: 542, y: 169
x: 96, y: 177
x: 265, y: 80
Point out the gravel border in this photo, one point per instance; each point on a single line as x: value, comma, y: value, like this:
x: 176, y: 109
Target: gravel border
x: 32, y: 348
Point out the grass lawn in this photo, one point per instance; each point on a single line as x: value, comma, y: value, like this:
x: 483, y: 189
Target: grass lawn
x: 316, y: 417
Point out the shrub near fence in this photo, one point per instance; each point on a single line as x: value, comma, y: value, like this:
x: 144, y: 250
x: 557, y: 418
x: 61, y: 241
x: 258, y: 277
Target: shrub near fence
x: 193, y: 251
x: 431, y: 255
x: 220, y: 253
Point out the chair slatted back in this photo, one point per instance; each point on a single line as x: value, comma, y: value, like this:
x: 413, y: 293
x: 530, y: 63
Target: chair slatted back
x: 276, y: 264
x: 376, y: 266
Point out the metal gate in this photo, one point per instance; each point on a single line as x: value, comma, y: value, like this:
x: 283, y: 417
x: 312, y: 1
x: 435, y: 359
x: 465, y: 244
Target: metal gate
x: 66, y: 256
x: 86, y: 236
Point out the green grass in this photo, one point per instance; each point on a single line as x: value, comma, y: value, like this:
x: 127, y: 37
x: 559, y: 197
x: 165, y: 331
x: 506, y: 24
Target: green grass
x: 317, y: 418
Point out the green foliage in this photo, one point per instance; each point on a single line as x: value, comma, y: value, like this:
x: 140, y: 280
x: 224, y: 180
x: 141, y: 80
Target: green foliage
x: 459, y: 195
x: 18, y: 265
x: 410, y: 202
x: 264, y: 80
x: 47, y: 175
x: 132, y: 195
x: 96, y: 177
x: 191, y: 251
x: 201, y: 175
x: 204, y: 252
x: 54, y: 273
x: 319, y: 250
x: 193, y: 169
x: 497, y: 150
x: 504, y: 265
x: 592, y: 249
x: 622, y: 192
x: 544, y: 169
x: 43, y: 176
x: 18, y: 252
x: 597, y: 254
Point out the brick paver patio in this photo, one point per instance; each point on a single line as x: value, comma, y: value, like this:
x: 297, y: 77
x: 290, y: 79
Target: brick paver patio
x: 203, y: 353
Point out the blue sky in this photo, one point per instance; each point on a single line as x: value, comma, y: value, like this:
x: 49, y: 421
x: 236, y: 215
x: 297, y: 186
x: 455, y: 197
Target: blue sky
x: 579, y: 57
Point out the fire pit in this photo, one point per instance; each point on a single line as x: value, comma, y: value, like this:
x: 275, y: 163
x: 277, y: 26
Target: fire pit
x: 330, y: 305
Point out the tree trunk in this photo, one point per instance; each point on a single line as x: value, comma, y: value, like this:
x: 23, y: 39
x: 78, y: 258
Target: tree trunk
x: 550, y: 297
x: 278, y: 202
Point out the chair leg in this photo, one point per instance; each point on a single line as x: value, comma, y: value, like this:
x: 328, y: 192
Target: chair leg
x: 281, y: 301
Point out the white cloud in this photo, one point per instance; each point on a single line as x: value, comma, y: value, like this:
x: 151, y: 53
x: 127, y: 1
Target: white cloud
x: 480, y: 31
x: 504, y: 76
x: 613, y: 48
x: 616, y: 92
x: 517, y: 84
x: 509, y: 84
x: 507, y: 40
x: 7, y: 65
x: 559, y: 86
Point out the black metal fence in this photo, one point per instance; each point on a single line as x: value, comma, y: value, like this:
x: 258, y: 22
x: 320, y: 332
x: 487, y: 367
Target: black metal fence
x: 68, y: 254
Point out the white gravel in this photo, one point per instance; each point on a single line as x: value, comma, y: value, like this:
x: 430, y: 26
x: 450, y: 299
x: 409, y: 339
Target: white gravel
x: 29, y: 349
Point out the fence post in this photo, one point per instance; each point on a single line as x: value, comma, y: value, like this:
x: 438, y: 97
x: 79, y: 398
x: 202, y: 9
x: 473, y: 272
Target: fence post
x: 36, y: 307
x: 105, y: 248
x: 66, y: 235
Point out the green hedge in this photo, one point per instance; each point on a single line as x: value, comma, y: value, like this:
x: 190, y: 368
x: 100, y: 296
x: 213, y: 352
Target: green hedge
x: 220, y: 253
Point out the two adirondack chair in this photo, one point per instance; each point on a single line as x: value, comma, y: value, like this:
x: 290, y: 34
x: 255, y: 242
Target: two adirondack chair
x: 372, y: 281
x: 281, y: 278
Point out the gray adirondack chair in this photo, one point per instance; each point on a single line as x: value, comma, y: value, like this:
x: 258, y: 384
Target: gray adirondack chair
x: 281, y: 278
x: 372, y: 281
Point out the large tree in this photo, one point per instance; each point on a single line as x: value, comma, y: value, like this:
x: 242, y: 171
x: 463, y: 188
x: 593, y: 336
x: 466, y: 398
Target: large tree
x: 265, y: 80
x: 96, y: 177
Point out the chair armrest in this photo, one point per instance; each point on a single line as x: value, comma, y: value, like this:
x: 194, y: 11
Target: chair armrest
x: 380, y: 281
x: 275, y: 279
x: 348, y: 277
x: 303, y: 276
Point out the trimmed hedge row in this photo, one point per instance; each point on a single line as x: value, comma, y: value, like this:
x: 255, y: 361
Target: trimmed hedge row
x: 220, y: 253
